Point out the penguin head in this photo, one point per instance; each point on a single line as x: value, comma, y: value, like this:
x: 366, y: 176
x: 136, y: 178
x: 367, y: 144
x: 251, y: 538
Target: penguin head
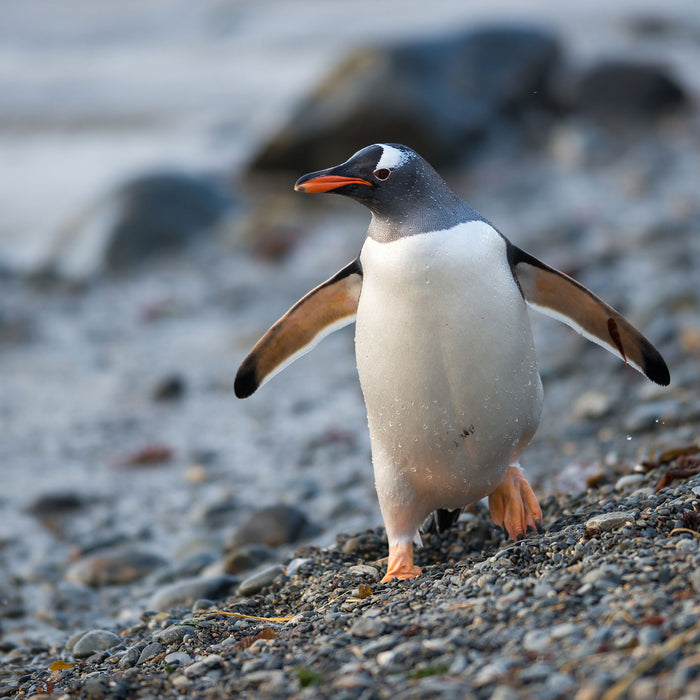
x: 387, y: 178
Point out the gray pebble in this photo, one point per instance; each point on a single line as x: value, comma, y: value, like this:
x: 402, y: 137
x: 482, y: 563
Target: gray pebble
x: 606, y: 522
x: 627, y: 481
x: 185, y: 593
x: 178, y: 659
x: 368, y: 628
x: 209, y: 664
x: 295, y: 565
x: 649, y: 635
x: 150, y: 651
x: 118, y: 566
x: 93, y: 642
x: 255, y: 583
x: 172, y: 635
x: 364, y: 570
x: 130, y: 657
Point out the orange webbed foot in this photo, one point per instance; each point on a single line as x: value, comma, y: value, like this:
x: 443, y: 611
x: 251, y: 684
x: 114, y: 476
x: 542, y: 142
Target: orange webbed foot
x: 400, y: 564
x: 513, y: 505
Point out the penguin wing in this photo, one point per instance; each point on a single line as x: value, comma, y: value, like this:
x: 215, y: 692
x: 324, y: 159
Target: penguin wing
x: 325, y: 309
x: 553, y: 293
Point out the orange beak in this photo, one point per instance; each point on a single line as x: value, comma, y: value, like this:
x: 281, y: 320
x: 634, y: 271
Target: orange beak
x: 326, y: 183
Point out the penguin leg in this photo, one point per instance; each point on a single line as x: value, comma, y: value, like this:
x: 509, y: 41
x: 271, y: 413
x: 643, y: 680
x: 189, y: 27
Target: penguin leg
x: 400, y: 564
x: 513, y: 504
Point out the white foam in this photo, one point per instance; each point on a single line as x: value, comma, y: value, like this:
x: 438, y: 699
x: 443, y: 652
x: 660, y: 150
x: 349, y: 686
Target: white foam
x: 391, y: 157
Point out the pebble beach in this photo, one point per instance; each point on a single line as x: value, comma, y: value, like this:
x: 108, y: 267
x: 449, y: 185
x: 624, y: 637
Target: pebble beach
x: 160, y: 538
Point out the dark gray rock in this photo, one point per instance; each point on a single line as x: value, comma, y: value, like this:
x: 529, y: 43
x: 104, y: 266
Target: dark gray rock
x: 272, y: 526
x: 130, y: 657
x: 149, y: 652
x: 255, y: 583
x: 216, y: 515
x: 209, y: 664
x: 60, y: 503
x: 441, y: 96
x: 172, y: 635
x: 185, y: 593
x: 94, y: 641
x: 247, y: 557
x: 140, y: 219
x: 119, y: 566
x: 170, y: 388
x: 627, y: 90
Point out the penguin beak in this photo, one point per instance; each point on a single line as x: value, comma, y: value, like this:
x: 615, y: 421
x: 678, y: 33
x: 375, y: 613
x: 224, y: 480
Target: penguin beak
x: 326, y: 181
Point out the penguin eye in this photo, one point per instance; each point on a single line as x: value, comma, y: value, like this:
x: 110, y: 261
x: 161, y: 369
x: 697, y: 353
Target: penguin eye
x: 382, y: 174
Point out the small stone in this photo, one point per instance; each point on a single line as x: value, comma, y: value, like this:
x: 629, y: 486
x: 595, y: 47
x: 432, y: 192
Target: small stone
x: 695, y: 580
x: 93, y: 642
x: 172, y: 635
x: 649, y: 635
x: 169, y: 388
x: 295, y: 565
x: 255, y: 583
x: 364, y: 570
x: 368, y: 628
x: 177, y: 659
x: 537, y: 640
x: 606, y: 522
x: 628, y: 480
x: 210, y: 663
x: 150, y: 651
x: 119, y: 566
x: 273, y: 526
x: 593, y: 404
x: 217, y: 515
x: 247, y: 557
x: 504, y: 692
x: 130, y: 657
x: 185, y: 593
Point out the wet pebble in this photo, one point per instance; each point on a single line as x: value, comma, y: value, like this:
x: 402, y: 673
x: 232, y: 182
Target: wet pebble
x: 185, y: 593
x: 93, y: 642
x: 119, y: 566
x: 255, y: 583
x: 272, y: 526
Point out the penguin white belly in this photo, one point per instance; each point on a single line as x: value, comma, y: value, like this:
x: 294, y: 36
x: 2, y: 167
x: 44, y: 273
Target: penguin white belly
x: 447, y: 367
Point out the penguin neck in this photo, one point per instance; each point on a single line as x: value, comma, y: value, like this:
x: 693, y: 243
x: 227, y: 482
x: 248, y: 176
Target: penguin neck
x: 441, y: 211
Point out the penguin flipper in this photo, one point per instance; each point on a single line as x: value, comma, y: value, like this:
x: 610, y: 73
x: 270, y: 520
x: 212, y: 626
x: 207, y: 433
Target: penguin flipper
x: 553, y: 293
x: 325, y: 309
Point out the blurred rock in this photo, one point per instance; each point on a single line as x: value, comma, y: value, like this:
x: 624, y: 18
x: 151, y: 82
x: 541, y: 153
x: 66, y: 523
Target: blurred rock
x: 441, y: 96
x: 94, y: 641
x: 170, y: 388
x: 255, y: 583
x: 627, y: 90
x: 138, y: 220
x: 247, y: 557
x: 148, y: 456
x: 272, y: 526
x: 216, y: 515
x: 185, y: 593
x: 119, y: 566
x: 60, y: 503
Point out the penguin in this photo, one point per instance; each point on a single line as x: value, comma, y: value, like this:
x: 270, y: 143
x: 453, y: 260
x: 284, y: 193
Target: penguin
x: 444, y: 347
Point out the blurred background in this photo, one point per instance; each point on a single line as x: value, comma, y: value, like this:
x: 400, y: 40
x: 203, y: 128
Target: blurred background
x: 149, y: 234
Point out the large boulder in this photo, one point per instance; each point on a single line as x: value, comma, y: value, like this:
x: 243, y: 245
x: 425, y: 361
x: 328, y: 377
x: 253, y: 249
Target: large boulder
x: 441, y: 96
x: 624, y: 90
x: 138, y: 220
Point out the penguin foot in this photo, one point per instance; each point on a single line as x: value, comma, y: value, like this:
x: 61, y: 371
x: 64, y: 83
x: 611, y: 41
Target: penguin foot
x: 400, y: 564
x: 513, y: 505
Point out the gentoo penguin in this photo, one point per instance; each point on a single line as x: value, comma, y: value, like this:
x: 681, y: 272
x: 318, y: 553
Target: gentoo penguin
x: 443, y: 343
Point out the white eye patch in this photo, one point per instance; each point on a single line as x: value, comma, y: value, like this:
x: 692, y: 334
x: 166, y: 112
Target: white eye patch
x: 391, y: 157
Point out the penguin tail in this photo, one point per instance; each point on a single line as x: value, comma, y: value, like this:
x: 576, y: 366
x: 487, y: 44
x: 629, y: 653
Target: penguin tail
x: 440, y: 521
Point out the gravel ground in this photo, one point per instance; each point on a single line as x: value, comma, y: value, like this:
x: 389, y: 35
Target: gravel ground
x: 139, y: 496
x: 603, y: 604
